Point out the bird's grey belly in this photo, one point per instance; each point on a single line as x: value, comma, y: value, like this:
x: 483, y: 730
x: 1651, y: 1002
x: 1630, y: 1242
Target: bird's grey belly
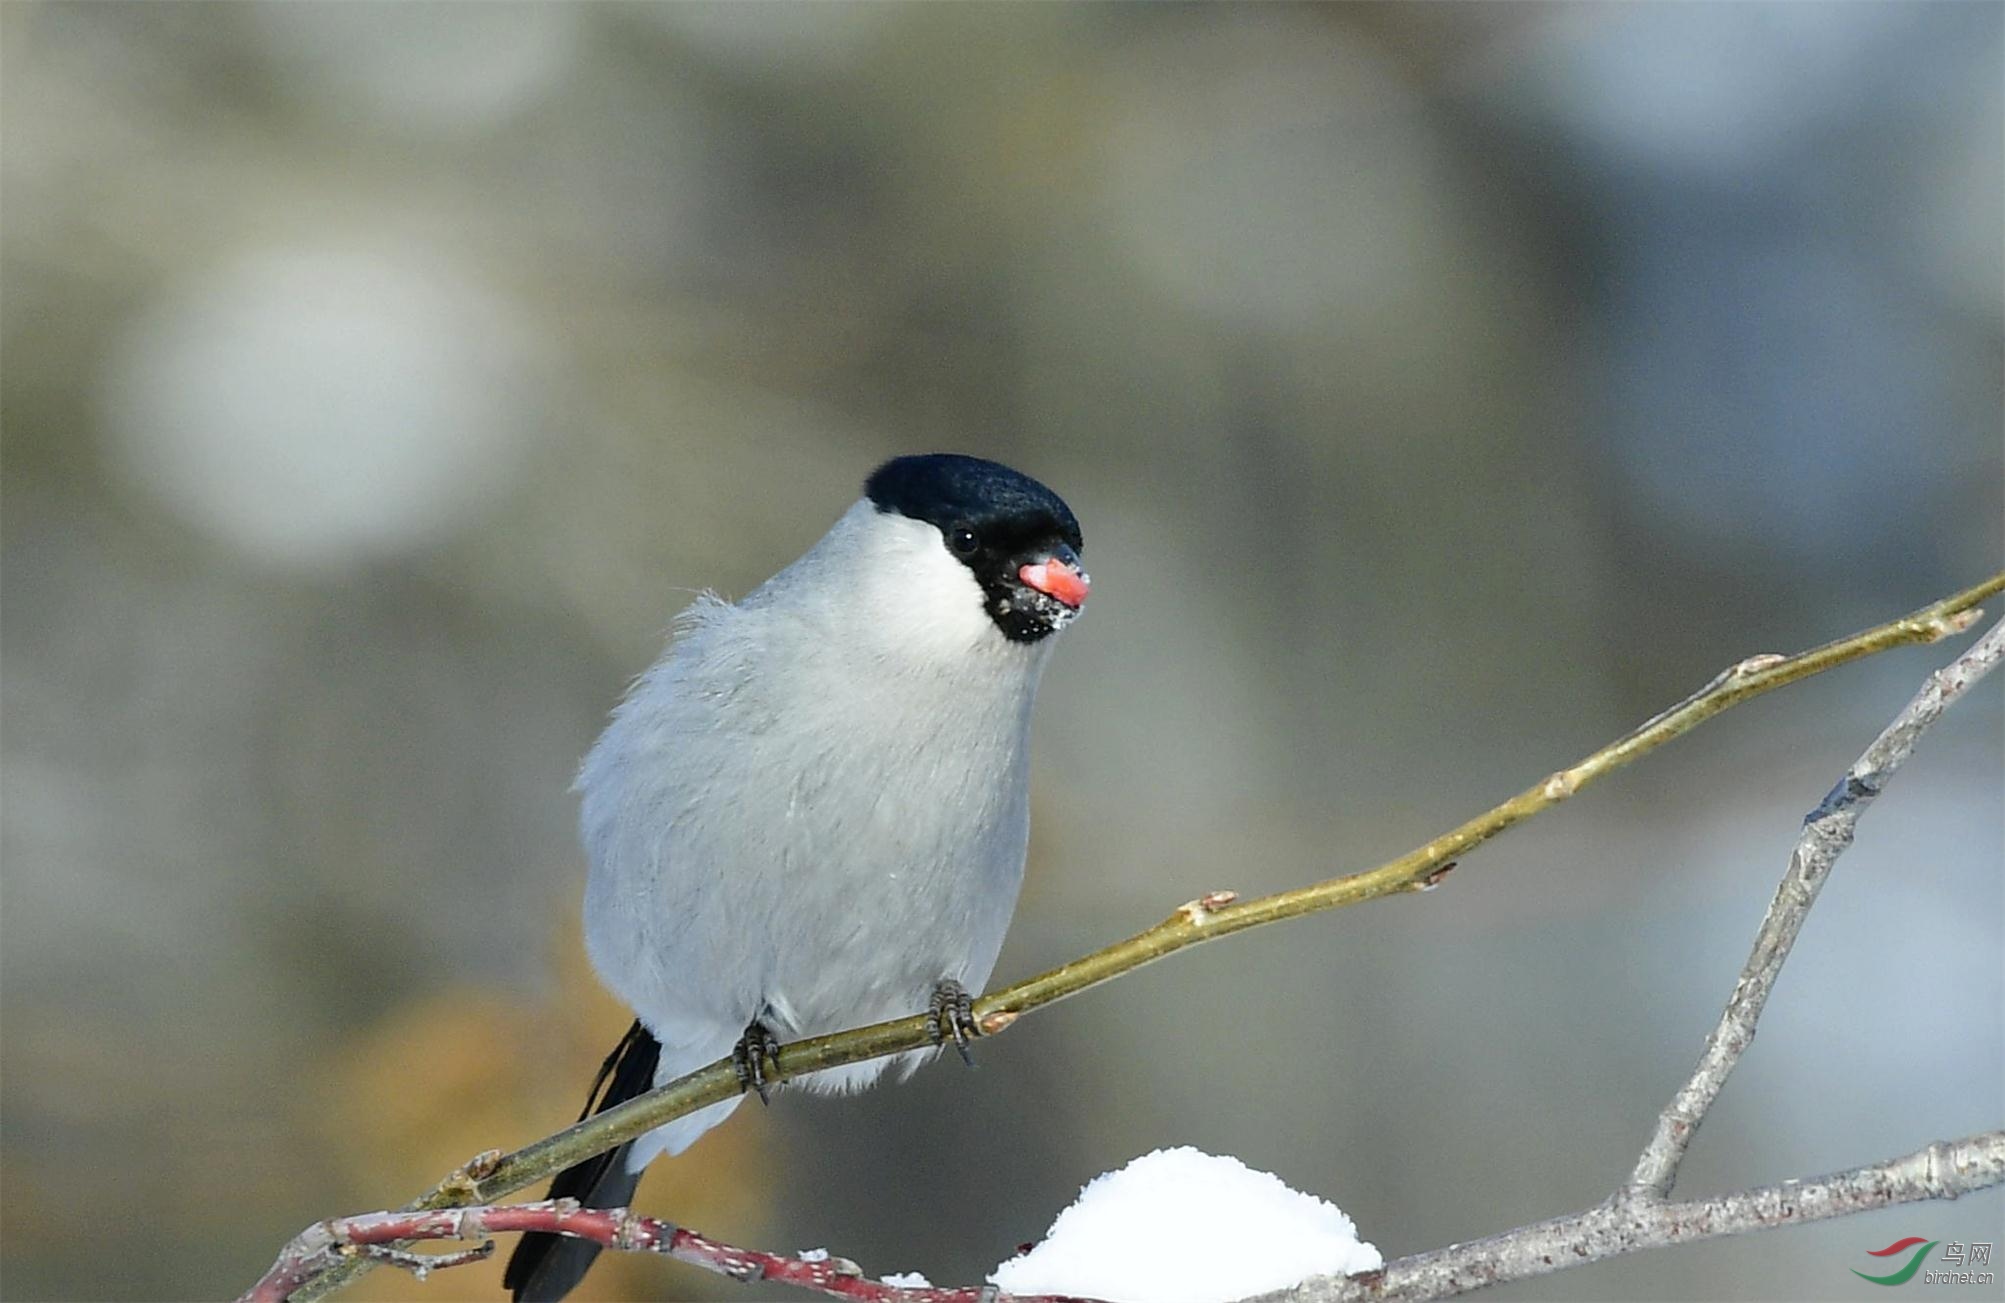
x: 816, y: 899
x: 875, y: 947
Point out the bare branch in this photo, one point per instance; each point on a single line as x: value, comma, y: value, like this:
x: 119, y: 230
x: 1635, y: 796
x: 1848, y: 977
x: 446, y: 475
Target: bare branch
x: 1216, y: 915
x: 373, y: 1237
x: 1827, y: 834
x: 1625, y: 1224
x: 1639, y: 1216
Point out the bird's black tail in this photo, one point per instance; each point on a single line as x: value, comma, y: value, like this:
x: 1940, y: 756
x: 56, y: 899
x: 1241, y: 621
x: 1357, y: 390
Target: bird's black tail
x: 545, y: 1267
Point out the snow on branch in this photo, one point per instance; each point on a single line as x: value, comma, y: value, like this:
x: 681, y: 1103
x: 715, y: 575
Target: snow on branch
x: 1181, y: 1226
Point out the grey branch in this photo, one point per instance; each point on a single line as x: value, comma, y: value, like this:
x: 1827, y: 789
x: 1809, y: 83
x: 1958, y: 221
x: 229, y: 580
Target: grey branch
x: 1640, y: 1215
x: 1627, y: 1222
x: 1827, y: 834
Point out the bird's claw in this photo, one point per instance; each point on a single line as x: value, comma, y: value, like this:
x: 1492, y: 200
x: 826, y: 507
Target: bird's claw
x: 749, y: 1056
x: 953, y: 1011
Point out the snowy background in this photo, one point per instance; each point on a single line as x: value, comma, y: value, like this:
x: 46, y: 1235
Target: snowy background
x: 1443, y: 389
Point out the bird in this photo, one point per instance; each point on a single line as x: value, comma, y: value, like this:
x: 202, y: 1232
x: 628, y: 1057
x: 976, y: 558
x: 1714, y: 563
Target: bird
x: 812, y: 812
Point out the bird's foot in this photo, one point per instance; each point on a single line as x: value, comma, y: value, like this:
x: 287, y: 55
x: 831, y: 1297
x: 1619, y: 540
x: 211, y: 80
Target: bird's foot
x: 749, y: 1056
x: 953, y: 1011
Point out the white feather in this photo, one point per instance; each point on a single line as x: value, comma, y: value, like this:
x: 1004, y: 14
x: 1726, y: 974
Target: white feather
x: 814, y: 807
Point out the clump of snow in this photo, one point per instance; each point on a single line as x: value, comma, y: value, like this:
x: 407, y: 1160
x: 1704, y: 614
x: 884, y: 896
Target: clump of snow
x: 1183, y: 1226
x: 907, y: 1280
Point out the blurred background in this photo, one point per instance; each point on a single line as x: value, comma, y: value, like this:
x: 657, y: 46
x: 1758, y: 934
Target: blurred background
x: 1443, y: 389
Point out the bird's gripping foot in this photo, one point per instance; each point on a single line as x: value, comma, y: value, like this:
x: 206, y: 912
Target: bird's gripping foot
x: 953, y: 1011
x: 749, y: 1056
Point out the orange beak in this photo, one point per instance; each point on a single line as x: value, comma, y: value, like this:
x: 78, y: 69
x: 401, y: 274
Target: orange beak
x: 1055, y: 578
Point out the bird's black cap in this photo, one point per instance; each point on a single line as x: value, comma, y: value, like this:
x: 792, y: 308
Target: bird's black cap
x: 1011, y: 532
x: 947, y: 489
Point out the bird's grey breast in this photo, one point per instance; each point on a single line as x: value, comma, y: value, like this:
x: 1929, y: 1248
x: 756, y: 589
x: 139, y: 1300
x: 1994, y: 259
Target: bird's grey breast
x: 818, y: 845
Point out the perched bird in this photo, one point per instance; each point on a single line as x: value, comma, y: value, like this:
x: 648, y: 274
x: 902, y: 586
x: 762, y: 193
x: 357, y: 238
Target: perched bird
x: 811, y: 813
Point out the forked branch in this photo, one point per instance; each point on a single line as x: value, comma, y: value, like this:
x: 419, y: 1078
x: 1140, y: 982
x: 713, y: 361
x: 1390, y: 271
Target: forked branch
x: 1827, y: 834
x: 1640, y: 1215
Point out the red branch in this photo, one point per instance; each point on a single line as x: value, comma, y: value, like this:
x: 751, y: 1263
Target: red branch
x: 375, y: 1235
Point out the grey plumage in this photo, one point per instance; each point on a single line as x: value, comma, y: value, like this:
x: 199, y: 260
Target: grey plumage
x: 814, y: 807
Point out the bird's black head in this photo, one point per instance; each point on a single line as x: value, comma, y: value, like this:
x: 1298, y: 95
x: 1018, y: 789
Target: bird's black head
x: 1017, y: 537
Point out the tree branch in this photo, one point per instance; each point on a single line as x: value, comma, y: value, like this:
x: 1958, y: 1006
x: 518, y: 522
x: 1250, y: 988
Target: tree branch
x: 1625, y: 1224
x: 372, y: 1237
x: 1827, y: 834
x: 1208, y: 918
x: 1639, y: 1215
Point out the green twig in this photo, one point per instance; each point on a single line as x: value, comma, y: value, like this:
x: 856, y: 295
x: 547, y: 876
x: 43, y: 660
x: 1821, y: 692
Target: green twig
x: 1220, y: 914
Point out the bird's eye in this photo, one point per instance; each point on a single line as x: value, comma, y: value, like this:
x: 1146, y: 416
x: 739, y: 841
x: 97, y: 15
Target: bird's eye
x: 964, y: 541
